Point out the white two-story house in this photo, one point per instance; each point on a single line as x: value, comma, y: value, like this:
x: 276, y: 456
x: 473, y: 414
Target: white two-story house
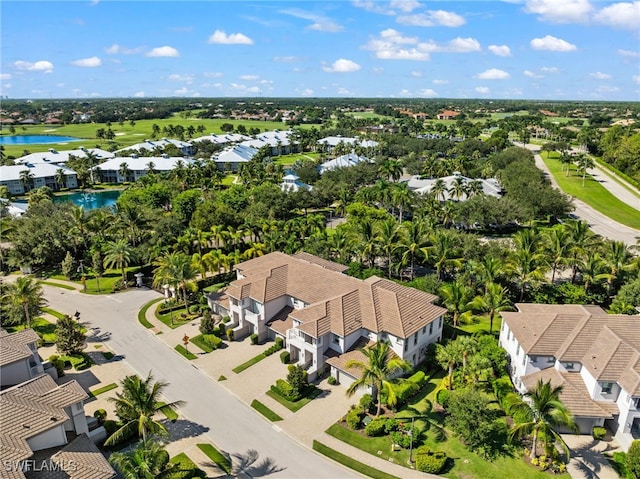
x: 595, y: 356
x: 324, y: 315
x: 19, y: 358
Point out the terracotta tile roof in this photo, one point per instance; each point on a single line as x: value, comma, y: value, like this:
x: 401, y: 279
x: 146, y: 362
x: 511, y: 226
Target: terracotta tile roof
x: 36, y: 406
x: 331, y: 265
x: 336, y: 302
x: 608, y: 345
x: 14, y: 347
x: 339, y: 361
x: 574, y: 393
x: 89, y: 461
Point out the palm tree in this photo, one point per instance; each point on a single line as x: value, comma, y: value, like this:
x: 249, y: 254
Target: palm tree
x: 388, y: 237
x: 593, y: 270
x: 547, y: 412
x: 26, y: 178
x: 413, y: 242
x: 136, y: 407
x: 527, y: 267
x: 557, y: 244
x: 124, y: 171
x: 584, y: 162
x: 495, y: 300
x: 377, y: 368
x: 118, y: 254
x: 146, y: 461
x: 61, y: 178
x: 402, y: 197
x: 443, y: 252
x: 458, y: 189
x: 616, y: 257
x: 439, y: 188
x: 448, y: 355
x: 26, y: 294
x: 150, y: 168
x: 175, y: 269
x: 456, y: 297
x: 391, y: 169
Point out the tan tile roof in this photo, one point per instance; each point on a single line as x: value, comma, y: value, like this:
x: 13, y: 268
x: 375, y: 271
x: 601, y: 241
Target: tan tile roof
x: 331, y: 265
x: 608, y: 345
x: 574, y: 393
x: 14, y: 346
x: 13, y: 448
x: 36, y: 406
x: 339, y: 361
x: 88, y: 460
x: 337, y: 303
x: 282, y: 321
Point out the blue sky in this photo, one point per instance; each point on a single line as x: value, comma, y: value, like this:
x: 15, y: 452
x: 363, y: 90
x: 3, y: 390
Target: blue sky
x: 519, y: 49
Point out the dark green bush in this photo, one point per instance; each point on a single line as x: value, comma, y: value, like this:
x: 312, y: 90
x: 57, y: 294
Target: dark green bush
x: 443, y: 397
x: 354, y: 418
x: 405, y: 391
x: 430, y: 461
x: 100, y: 415
x: 194, y: 309
x: 285, y: 357
x: 284, y: 389
x: 332, y: 380
x: 230, y: 334
x: 254, y: 338
x: 391, y: 425
x: 599, y: 433
x: 375, y: 428
x: 401, y: 438
x: 279, y: 341
x: 207, y: 324
x: 419, y: 378
x: 110, y: 426
x: 212, y: 340
x: 367, y: 402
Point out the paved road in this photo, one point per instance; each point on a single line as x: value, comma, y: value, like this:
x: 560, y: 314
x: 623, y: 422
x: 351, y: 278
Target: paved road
x: 600, y: 224
x: 231, y: 424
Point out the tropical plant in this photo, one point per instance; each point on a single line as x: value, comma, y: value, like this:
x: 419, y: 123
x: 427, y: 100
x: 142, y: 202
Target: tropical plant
x: 176, y: 269
x: 547, y: 412
x: 448, y: 355
x: 378, y: 368
x: 136, y: 407
x: 26, y: 295
x: 148, y: 460
x: 495, y: 300
x: 118, y: 254
x: 456, y: 297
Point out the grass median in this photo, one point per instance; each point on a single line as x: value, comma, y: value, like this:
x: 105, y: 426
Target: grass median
x: 350, y: 462
x: 265, y: 411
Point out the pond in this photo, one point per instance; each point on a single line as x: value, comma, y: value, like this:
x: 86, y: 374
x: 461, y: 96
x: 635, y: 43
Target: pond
x: 35, y: 139
x: 91, y: 200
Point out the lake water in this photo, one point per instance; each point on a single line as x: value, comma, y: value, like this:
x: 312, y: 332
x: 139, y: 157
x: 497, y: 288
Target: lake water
x: 35, y: 139
x: 91, y: 201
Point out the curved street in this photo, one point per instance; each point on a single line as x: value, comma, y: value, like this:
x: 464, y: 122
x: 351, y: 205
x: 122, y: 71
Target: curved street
x: 229, y: 423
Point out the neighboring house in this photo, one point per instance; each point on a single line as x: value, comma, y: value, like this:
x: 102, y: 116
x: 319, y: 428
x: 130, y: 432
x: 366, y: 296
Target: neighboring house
x: 43, y: 428
x: 138, y: 166
x: 324, y: 315
x: 19, y: 358
x: 595, y: 356
x: 279, y: 142
x: 56, y: 157
x: 42, y: 174
x: 490, y: 186
x: 223, y: 139
x: 12, y: 209
x: 329, y: 143
x: 344, y: 161
x: 447, y: 115
x: 184, y: 147
x: 232, y: 157
x: 291, y: 183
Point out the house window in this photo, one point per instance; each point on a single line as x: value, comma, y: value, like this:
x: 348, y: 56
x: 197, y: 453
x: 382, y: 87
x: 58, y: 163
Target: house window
x: 551, y: 359
x: 336, y: 339
x: 430, y: 328
x: 518, y: 351
x: 415, y: 339
x: 424, y: 329
x: 569, y: 366
x: 524, y: 359
x: 406, y: 345
x: 440, y: 322
x: 606, y: 388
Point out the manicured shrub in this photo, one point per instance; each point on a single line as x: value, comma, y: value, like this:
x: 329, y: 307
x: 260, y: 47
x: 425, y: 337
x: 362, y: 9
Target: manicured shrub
x: 391, y: 425
x: 354, y: 418
x: 367, y: 402
x: 279, y: 341
x: 254, y: 338
x: 58, y: 364
x: 226, y: 319
x: 110, y: 426
x: 194, y: 309
x: 430, y: 461
x: 100, y: 415
x: 419, y: 378
x: 285, y: 357
x: 599, y: 433
x: 332, y: 380
x: 632, y: 459
x: 297, y: 378
x: 222, y: 329
x: 404, y: 391
x: 443, y: 397
x: 230, y: 334
x: 212, y: 340
x: 207, y: 324
x: 286, y: 391
x: 401, y: 438
x: 375, y: 428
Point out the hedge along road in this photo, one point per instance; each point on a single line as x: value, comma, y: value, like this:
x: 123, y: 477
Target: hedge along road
x: 232, y: 425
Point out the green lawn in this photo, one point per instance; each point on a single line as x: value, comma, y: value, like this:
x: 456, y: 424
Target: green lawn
x: 142, y: 314
x: 248, y: 364
x: 107, y: 281
x: 220, y: 460
x: 187, y: 354
x: 103, y: 389
x: 57, y: 285
x: 188, y: 468
x: 311, y: 393
x: 593, y: 194
x: 53, y: 312
x: 169, y: 413
x: 265, y: 411
x: 173, y: 319
x: 45, y: 329
x: 351, y: 463
x: 287, y: 160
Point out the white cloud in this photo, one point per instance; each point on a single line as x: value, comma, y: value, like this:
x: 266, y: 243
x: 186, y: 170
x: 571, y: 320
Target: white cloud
x: 222, y: 38
x: 628, y: 53
x: 607, y: 89
x: 139, y: 94
x: 39, y: 66
x: 345, y: 91
x: 440, y: 82
x: 493, y: 74
x: 560, y: 11
x: 433, y: 18
x: 427, y: 92
x: 530, y: 74
x: 179, y: 77
x: 405, y: 5
x: 319, y: 23
x: 500, y: 50
x: 115, y: 49
x: 373, y: 7
x: 287, y: 59
x: 625, y: 15
x: 549, y: 69
x: 392, y: 45
x: 5, y: 76
x: 342, y: 65
x: 91, y: 62
x: 483, y: 90
x: 165, y: 51
x: 306, y: 92
x: 462, y: 45
x: 249, y: 77
x: 600, y: 76
x: 213, y: 74
x: 636, y: 79
x: 416, y: 74
x: 552, y: 44
x: 377, y: 70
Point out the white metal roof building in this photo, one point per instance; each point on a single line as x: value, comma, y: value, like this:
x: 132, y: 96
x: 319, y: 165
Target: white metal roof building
x: 344, y: 161
x: 278, y: 141
x: 223, y: 139
x: 330, y: 142
x: 185, y: 147
x: 56, y: 157
x: 291, y: 183
x: 42, y: 174
x: 232, y: 157
x: 490, y: 186
x: 138, y: 166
